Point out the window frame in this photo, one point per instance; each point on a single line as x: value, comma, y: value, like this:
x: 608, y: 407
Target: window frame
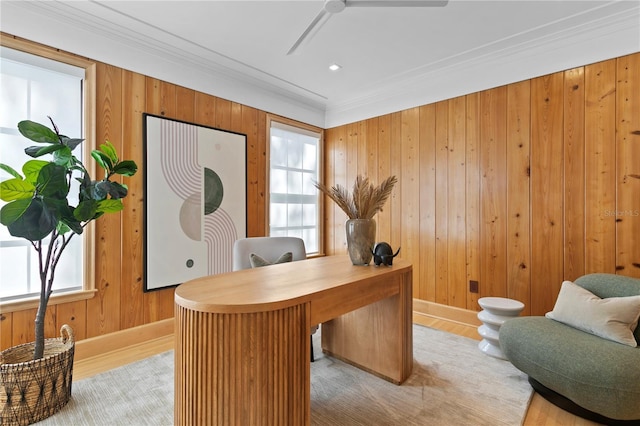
x: 321, y: 171
x: 89, y: 130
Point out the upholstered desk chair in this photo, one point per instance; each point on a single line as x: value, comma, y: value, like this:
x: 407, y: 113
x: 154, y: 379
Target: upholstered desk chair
x: 268, y: 250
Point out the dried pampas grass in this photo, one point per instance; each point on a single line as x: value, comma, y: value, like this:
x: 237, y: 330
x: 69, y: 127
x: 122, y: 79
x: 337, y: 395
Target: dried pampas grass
x: 366, y: 200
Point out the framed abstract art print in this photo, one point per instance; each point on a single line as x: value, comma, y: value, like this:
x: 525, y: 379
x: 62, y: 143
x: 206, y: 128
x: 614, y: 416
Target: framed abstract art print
x: 195, y: 200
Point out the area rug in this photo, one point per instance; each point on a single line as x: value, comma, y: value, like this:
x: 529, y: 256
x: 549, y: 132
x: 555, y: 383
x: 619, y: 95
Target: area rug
x: 452, y: 383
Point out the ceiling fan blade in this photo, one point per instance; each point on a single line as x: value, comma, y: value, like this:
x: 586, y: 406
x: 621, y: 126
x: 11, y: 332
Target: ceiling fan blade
x: 396, y: 3
x: 321, y: 18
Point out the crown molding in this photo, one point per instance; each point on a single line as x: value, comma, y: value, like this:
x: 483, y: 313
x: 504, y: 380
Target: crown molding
x: 93, y: 30
x: 88, y: 29
x: 602, y: 33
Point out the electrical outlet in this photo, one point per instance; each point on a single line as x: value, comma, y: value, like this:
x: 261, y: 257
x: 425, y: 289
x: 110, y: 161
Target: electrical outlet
x: 473, y: 286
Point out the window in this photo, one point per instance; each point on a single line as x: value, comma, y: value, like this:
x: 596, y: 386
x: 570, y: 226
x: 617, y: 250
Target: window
x: 33, y: 87
x: 294, y: 165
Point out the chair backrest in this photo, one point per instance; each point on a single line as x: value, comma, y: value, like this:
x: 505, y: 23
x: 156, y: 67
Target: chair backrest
x: 269, y: 248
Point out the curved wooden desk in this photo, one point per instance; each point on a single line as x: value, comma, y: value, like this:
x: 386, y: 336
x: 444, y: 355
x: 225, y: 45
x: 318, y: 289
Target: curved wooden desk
x: 242, y: 338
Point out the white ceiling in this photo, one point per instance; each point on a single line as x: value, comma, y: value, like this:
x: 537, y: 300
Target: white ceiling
x: 392, y: 58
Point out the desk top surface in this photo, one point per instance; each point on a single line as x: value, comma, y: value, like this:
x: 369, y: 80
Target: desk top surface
x: 277, y: 286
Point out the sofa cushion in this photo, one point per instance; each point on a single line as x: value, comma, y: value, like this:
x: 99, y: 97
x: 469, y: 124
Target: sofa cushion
x: 613, y: 318
x: 611, y: 285
x: 258, y: 261
x: 597, y: 374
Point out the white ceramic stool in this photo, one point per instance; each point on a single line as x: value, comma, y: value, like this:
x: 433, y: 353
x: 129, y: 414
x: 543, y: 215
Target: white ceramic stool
x: 496, y: 310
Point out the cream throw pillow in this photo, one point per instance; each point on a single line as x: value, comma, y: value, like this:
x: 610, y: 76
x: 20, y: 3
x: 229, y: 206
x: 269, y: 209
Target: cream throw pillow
x: 613, y: 318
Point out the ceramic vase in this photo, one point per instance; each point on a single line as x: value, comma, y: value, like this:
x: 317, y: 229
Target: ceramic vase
x: 361, y: 236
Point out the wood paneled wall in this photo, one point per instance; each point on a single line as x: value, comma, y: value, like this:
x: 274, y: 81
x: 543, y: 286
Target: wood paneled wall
x: 518, y: 187
x: 120, y: 303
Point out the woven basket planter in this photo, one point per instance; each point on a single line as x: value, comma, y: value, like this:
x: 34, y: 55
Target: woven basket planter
x: 30, y: 390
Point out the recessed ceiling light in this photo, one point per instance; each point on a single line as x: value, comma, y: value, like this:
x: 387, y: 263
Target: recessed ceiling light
x: 334, y: 67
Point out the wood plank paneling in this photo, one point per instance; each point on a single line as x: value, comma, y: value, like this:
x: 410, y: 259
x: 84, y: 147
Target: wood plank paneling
x: 352, y: 156
x: 427, y: 282
x: 105, y: 307
x: 441, y: 204
x: 205, y: 109
x: 371, y: 152
x: 73, y: 314
x: 6, y: 330
x: 361, y: 151
x: 546, y: 190
x: 518, y: 193
x: 549, y: 163
x: 134, y: 104
x: 223, y: 114
x: 583, y: 129
x: 472, y: 191
x: 257, y: 225
x: 628, y: 166
x: 329, y: 223
x: 396, y: 201
x: 236, y: 117
x: 23, y: 327
x: 456, y: 203
x: 493, y: 196
x: 574, y: 174
x: 255, y: 173
x: 410, y: 158
x: 336, y: 175
x: 600, y: 162
x: 185, y: 104
x: 383, y: 153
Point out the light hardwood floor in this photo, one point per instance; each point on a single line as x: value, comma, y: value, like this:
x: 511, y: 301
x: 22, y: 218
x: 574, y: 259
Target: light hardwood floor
x: 540, y: 413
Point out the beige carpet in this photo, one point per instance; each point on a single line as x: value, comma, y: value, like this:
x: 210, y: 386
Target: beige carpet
x: 453, y: 383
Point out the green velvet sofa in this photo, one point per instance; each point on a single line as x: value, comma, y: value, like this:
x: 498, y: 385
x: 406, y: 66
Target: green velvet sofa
x: 583, y: 373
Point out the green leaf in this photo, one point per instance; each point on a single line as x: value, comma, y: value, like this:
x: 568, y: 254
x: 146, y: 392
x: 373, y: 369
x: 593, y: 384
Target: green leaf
x: 86, y: 189
x: 12, y: 211
x: 114, y: 189
x: 37, y: 132
x: 16, y: 189
x: 90, y: 191
x: 62, y: 156
x: 86, y: 210
x: 109, y: 206
x: 58, y: 206
x: 126, y: 168
x: 102, y: 159
x: 71, y: 143
x: 39, y: 151
x: 35, y: 223
x: 98, y: 190
x: 10, y: 170
x: 31, y: 170
x: 71, y: 225
x: 63, y: 228
x: 110, y: 151
x: 69, y: 220
x: 52, y: 181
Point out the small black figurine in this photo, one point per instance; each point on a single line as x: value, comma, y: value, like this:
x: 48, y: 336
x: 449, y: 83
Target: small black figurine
x: 383, y: 253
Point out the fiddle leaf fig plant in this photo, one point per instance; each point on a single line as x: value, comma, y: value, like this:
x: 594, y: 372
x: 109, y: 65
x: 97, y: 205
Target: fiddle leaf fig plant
x: 39, y: 206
